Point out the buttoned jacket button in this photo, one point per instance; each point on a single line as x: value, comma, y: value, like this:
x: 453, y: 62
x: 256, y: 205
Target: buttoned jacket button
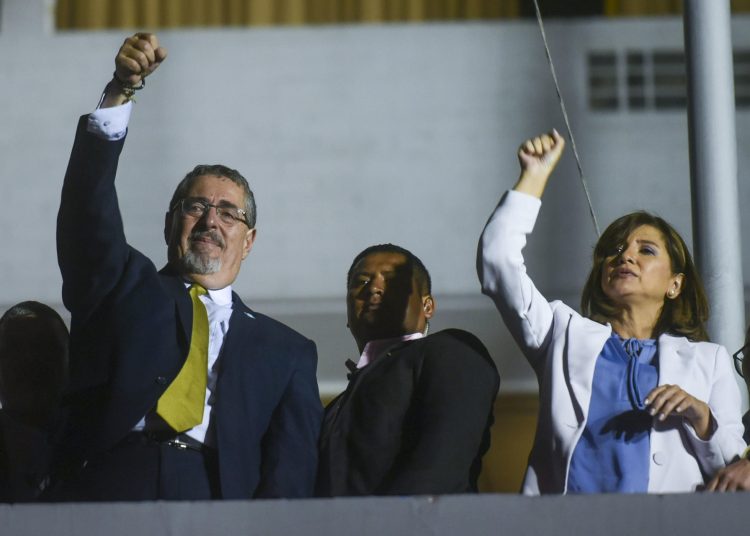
x: 659, y: 458
x: 161, y: 380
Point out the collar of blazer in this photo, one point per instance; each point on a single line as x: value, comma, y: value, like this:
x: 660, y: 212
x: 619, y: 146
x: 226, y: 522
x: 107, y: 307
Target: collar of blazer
x: 241, y: 337
x: 385, y: 352
x: 238, y: 306
x: 584, y: 342
x: 174, y: 285
x: 676, y: 359
x: 245, y: 347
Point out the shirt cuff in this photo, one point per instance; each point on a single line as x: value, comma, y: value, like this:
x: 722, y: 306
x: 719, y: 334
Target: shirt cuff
x: 712, y: 428
x: 110, y: 124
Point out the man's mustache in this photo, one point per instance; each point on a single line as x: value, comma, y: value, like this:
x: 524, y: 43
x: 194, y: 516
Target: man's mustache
x: 209, y: 234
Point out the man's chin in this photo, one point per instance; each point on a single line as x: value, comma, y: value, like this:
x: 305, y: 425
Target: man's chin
x: 192, y: 263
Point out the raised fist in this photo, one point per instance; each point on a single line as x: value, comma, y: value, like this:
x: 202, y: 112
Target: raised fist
x: 138, y: 57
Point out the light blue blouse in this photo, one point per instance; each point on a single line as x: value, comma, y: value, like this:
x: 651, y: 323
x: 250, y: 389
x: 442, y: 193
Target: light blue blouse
x: 612, y: 455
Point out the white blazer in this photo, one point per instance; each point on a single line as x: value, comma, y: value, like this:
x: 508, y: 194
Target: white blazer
x: 562, y: 347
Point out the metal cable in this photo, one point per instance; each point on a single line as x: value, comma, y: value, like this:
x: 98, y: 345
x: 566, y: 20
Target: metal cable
x: 565, y: 117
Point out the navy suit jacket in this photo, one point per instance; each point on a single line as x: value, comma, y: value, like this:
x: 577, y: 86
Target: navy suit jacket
x: 130, y: 335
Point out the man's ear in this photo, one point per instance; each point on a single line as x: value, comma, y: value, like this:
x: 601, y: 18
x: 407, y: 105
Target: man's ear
x: 249, y: 240
x: 428, y: 306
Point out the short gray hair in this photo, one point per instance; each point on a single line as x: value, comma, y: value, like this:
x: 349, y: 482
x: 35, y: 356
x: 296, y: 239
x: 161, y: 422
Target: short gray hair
x: 217, y: 170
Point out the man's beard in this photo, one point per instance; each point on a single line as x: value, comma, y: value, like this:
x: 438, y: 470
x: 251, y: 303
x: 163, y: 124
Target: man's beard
x: 193, y: 263
x: 197, y: 263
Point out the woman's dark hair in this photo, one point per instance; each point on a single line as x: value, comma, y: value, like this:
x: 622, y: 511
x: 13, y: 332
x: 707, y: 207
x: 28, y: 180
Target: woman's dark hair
x: 684, y: 315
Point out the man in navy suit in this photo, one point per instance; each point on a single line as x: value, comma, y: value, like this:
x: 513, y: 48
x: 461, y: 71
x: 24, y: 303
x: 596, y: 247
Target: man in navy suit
x: 132, y: 326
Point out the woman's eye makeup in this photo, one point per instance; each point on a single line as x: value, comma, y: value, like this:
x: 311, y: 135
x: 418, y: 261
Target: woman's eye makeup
x: 645, y: 250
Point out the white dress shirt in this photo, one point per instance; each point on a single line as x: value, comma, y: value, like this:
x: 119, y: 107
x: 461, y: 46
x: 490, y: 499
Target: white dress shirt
x: 110, y: 123
x: 219, y: 308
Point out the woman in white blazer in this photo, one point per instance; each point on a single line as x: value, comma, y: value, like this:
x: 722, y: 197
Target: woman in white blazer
x: 643, y: 287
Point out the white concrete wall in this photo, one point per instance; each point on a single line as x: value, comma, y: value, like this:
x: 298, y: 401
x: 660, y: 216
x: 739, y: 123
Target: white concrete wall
x: 349, y: 136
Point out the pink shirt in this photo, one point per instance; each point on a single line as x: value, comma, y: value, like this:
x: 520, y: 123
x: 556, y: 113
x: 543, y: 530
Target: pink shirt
x: 374, y: 348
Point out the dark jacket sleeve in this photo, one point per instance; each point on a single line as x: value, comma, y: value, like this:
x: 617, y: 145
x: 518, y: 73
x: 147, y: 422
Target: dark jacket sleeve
x: 448, y: 424
x: 91, y: 247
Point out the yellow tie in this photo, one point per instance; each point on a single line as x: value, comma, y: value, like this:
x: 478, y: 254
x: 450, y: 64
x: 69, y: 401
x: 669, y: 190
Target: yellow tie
x: 181, y: 405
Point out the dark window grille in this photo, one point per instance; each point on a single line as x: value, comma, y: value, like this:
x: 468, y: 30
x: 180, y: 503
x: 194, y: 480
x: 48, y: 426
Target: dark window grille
x: 653, y: 80
x: 603, y: 81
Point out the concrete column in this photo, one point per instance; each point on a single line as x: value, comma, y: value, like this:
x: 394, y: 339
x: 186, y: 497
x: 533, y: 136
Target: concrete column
x: 713, y: 166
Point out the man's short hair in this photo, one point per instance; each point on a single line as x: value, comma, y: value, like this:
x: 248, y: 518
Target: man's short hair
x: 421, y: 275
x: 217, y: 170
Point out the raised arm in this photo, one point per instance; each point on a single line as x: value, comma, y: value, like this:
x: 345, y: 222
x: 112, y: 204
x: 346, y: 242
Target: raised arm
x: 538, y: 157
x: 500, y: 263
x: 91, y: 243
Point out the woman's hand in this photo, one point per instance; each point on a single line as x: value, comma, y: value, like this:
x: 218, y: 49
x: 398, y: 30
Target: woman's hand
x: 734, y: 477
x: 667, y: 400
x: 538, y: 158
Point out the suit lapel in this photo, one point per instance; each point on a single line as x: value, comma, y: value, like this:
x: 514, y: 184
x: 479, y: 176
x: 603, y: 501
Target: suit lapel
x: 174, y: 286
x: 585, y: 340
x: 384, y: 355
x: 239, y: 306
x: 674, y: 361
x: 356, y: 378
x: 240, y: 342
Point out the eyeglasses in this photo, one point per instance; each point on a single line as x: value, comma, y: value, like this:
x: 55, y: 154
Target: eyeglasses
x: 739, y: 357
x: 195, y: 207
